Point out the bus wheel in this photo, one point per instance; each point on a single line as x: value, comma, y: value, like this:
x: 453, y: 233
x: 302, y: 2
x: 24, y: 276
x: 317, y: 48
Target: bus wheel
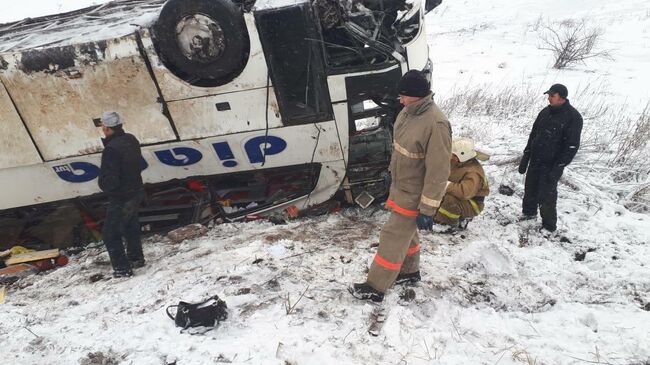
x: 204, y: 42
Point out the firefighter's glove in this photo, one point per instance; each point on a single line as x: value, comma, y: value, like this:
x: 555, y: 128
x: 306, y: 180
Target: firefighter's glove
x: 523, y: 165
x: 424, y: 222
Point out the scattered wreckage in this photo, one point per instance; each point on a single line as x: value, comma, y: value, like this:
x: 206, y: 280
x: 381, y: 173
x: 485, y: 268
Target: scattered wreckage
x: 242, y: 107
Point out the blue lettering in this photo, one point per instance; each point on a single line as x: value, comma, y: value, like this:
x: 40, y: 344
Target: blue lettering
x: 259, y: 147
x: 77, y: 172
x: 225, y: 154
x: 179, y: 156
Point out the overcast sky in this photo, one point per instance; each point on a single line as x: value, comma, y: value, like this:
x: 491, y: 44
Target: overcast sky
x: 13, y: 10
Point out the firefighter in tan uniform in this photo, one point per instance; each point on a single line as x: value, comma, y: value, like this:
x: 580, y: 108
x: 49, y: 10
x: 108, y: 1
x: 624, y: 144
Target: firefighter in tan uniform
x: 467, y: 186
x: 419, y: 170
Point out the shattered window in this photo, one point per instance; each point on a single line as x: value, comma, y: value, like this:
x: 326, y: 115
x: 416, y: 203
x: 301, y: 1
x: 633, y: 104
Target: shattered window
x: 296, y: 64
x: 359, y: 33
x: 367, y: 113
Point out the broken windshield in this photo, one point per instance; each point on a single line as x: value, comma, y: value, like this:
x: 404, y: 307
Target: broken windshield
x: 362, y: 33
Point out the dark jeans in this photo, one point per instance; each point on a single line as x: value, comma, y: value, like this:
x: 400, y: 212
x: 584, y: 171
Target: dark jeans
x: 122, y: 221
x: 541, y: 191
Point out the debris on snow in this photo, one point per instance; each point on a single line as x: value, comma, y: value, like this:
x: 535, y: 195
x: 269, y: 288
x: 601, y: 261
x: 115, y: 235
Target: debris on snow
x: 188, y: 232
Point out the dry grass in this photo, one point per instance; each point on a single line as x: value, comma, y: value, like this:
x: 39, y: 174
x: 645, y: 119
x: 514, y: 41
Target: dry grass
x: 487, y: 100
x: 524, y: 357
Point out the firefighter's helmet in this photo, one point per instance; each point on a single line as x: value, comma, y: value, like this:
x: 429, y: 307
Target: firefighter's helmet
x: 465, y: 150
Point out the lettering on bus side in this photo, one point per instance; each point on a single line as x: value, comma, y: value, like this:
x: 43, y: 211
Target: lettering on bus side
x: 179, y: 156
x: 259, y: 147
x: 256, y: 148
x: 77, y: 172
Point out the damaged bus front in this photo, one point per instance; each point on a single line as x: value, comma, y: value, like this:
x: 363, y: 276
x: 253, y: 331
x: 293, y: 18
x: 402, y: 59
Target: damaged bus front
x: 241, y: 107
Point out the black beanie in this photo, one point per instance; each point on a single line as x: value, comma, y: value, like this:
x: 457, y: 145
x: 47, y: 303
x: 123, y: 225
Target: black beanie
x: 413, y: 83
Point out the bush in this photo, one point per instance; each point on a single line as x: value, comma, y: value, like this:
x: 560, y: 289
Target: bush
x: 633, y: 144
x: 572, y: 42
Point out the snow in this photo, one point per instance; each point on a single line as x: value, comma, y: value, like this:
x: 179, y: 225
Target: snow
x: 17, y: 10
x: 470, y: 39
x: 484, y: 298
x: 269, y: 4
x: 498, y: 293
x: 112, y: 21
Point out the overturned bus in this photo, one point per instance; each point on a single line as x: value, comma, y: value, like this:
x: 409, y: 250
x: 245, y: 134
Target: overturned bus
x: 242, y: 107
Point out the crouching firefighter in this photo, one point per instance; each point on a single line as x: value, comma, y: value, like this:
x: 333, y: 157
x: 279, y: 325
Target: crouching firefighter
x: 467, y: 186
x: 419, y: 170
x: 121, y: 180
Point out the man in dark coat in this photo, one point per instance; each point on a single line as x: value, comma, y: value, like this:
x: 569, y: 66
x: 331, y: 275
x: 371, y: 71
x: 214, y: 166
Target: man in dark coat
x: 120, y: 179
x: 552, y: 144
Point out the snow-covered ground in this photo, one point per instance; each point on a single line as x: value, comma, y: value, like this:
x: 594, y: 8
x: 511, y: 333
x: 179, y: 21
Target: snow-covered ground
x: 497, y: 43
x: 497, y: 294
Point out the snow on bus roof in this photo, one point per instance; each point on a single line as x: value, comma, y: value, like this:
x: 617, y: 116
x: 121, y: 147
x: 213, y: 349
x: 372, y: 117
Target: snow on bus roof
x: 110, y: 20
x: 95, y: 23
x: 267, y: 4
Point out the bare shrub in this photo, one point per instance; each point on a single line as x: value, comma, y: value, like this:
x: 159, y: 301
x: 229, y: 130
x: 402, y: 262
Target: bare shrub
x: 631, y: 141
x: 572, y: 42
x: 633, y: 144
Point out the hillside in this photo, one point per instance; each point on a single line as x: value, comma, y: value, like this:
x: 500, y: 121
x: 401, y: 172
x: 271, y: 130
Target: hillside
x: 499, y: 293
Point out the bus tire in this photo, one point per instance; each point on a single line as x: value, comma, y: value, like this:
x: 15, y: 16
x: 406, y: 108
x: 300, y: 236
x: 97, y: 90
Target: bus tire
x: 204, y: 42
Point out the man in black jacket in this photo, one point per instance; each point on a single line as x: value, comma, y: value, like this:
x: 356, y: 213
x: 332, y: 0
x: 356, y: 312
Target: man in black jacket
x: 120, y: 179
x: 552, y: 143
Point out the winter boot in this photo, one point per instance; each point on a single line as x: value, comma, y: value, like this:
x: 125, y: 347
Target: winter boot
x: 136, y: 264
x: 463, y: 223
x: 122, y: 273
x: 408, y: 279
x: 364, y: 291
x: 527, y: 217
x: 547, y: 233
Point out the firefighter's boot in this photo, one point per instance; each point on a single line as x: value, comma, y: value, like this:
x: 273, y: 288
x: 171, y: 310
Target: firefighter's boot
x: 364, y: 291
x: 408, y: 279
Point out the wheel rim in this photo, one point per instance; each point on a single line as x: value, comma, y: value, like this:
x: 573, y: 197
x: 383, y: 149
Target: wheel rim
x: 200, y: 38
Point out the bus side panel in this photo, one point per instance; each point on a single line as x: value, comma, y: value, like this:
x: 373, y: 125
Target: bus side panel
x: 16, y: 147
x: 287, y: 146
x: 60, y: 91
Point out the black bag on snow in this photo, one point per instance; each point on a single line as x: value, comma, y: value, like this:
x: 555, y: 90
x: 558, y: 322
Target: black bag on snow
x: 207, y: 313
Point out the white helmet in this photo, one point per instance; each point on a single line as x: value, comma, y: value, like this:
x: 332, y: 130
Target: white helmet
x: 464, y: 149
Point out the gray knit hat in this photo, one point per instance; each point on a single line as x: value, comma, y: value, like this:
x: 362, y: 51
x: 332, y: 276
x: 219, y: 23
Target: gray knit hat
x: 111, y: 119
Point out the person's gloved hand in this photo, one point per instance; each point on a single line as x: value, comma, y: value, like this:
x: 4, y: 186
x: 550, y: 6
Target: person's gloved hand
x: 424, y: 222
x: 387, y: 180
x: 523, y: 165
